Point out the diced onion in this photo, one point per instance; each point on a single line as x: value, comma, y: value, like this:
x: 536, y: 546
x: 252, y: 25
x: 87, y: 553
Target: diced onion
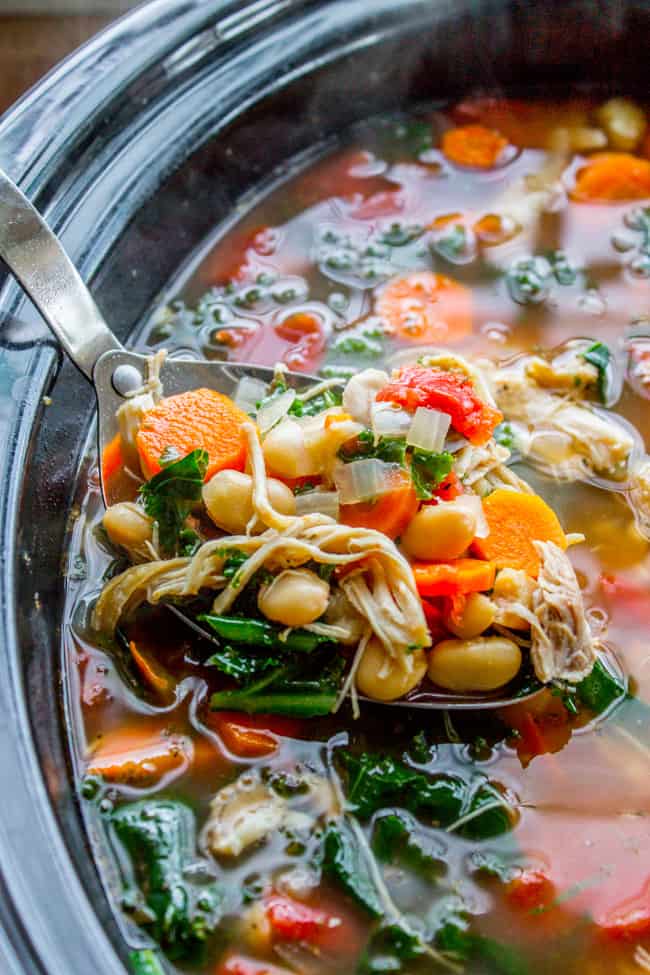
x: 249, y: 392
x: 454, y: 444
x: 274, y: 411
x: 365, y: 479
x: 318, y: 502
x: 389, y: 420
x: 473, y: 504
x: 428, y: 429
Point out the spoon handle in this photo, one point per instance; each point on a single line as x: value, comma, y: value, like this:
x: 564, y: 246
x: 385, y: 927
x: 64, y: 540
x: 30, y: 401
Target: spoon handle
x: 36, y: 258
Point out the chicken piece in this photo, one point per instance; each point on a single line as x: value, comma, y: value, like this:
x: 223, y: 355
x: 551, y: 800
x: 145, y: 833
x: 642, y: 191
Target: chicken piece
x: 639, y: 497
x: 572, y: 439
x: 513, y: 594
x: 132, y: 412
x: 249, y: 811
x: 359, y: 394
x: 567, y: 372
x: 562, y: 647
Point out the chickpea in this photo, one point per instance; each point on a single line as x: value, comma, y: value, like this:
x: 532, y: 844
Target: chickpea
x: 296, y: 597
x: 441, y: 531
x: 228, y: 498
x: 624, y: 122
x: 481, y: 664
x: 127, y: 525
x: 385, y: 679
x: 478, y: 615
x: 285, y: 452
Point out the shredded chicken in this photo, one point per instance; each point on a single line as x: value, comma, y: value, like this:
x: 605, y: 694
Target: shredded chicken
x: 639, y: 497
x: 482, y: 469
x: 381, y: 590
x: 131, y: 413
x: 571, y: 440
x: 249, y: 811
x: 562, y: 645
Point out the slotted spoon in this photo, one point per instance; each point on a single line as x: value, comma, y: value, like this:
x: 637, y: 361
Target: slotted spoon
x: 36, y: 258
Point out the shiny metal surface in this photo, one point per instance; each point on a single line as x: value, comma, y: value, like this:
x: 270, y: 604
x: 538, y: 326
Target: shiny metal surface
x: 35, y: 256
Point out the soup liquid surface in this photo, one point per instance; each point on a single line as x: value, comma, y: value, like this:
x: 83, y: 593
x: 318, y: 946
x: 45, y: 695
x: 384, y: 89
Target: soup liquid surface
x: 298, y: 281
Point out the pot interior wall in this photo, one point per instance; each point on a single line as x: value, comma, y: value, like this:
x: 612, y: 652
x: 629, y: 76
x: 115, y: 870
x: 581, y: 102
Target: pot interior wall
x: 450, y: 49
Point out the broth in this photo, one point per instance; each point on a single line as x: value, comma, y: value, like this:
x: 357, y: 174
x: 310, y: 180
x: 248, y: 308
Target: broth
x: 294, y: 281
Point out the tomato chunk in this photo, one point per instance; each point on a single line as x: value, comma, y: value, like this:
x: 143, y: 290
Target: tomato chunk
x: 448, y: 392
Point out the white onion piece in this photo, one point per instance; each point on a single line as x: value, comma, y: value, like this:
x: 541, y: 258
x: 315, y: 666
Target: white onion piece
x: 318, y: 502
x: 388, y: 420
x: 365, y: 479
x: 428, y: 430
x: 274, y: 411
x: 249, y: 392
x: 473, y: 504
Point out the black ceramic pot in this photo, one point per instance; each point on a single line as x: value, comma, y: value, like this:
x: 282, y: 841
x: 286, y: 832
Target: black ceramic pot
x: 136, y: 148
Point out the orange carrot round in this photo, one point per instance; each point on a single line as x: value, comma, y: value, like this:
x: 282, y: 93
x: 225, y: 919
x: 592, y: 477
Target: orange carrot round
x: 199, y: 418
x: 612, y: 177
x: 426, y: 307
x: 516, y: 520
x: 474, y: 145
x: 389, y: 514
x: 251, y: 735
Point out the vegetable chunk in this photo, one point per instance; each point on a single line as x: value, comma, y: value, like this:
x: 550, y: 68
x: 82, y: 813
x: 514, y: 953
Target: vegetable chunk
x: 517, y: 520
x: 200, y: 418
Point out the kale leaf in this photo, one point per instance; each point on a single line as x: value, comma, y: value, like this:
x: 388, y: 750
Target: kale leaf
x: 343, y: 860
x: 398, y: 838
x: 428, y: 470
x: 304, y: 686
x: 392, y: 450
x: 600, y: 689
x: 159, y: 837
x: 145, y: 962
x: 598, y: 355
x: 171, y: 494
x: 316, y: 404
x: 376, y: 781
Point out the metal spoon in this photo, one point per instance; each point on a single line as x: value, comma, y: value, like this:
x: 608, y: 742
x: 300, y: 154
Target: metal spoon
x: 36, y: 258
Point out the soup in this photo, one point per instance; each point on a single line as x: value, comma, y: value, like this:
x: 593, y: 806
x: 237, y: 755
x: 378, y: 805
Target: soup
x: 459, y: 506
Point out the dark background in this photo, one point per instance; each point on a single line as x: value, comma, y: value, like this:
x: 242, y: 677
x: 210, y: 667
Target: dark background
x: 32, y: 43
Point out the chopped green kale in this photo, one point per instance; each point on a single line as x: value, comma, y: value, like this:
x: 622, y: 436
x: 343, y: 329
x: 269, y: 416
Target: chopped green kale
x: 392, y: 450
x: 159, y: 837
x: 503, y: 434
x: 375, y: 781
x: 598, y: 355
x: 145, y: 962
x: 600, y: 689
x: 171, y: 494
x: 343, y: 859
x: 428, y: 471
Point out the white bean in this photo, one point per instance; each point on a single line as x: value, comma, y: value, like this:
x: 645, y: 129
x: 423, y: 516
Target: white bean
x: 384, y: 678
x: 481, y: 664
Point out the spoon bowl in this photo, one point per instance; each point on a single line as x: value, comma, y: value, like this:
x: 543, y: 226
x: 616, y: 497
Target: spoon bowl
x: 37, y: 259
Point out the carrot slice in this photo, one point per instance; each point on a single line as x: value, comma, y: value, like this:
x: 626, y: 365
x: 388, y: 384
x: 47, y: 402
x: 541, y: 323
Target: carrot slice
x: 516, y: 520
x: 426, y: 307
x: 474, y: 145
x: 251, y: 735
x: 454, y: 578
x: 200, y: 418
x: 139, y: 756
x: 389, y: 514
x: 612, y: 177
x: 112, y: 459
x: 153, y: 673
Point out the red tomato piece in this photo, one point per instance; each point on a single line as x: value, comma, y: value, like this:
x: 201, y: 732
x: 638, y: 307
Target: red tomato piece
x: 448, y: 392
x: 293, y: 921
x: 530, y: 890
